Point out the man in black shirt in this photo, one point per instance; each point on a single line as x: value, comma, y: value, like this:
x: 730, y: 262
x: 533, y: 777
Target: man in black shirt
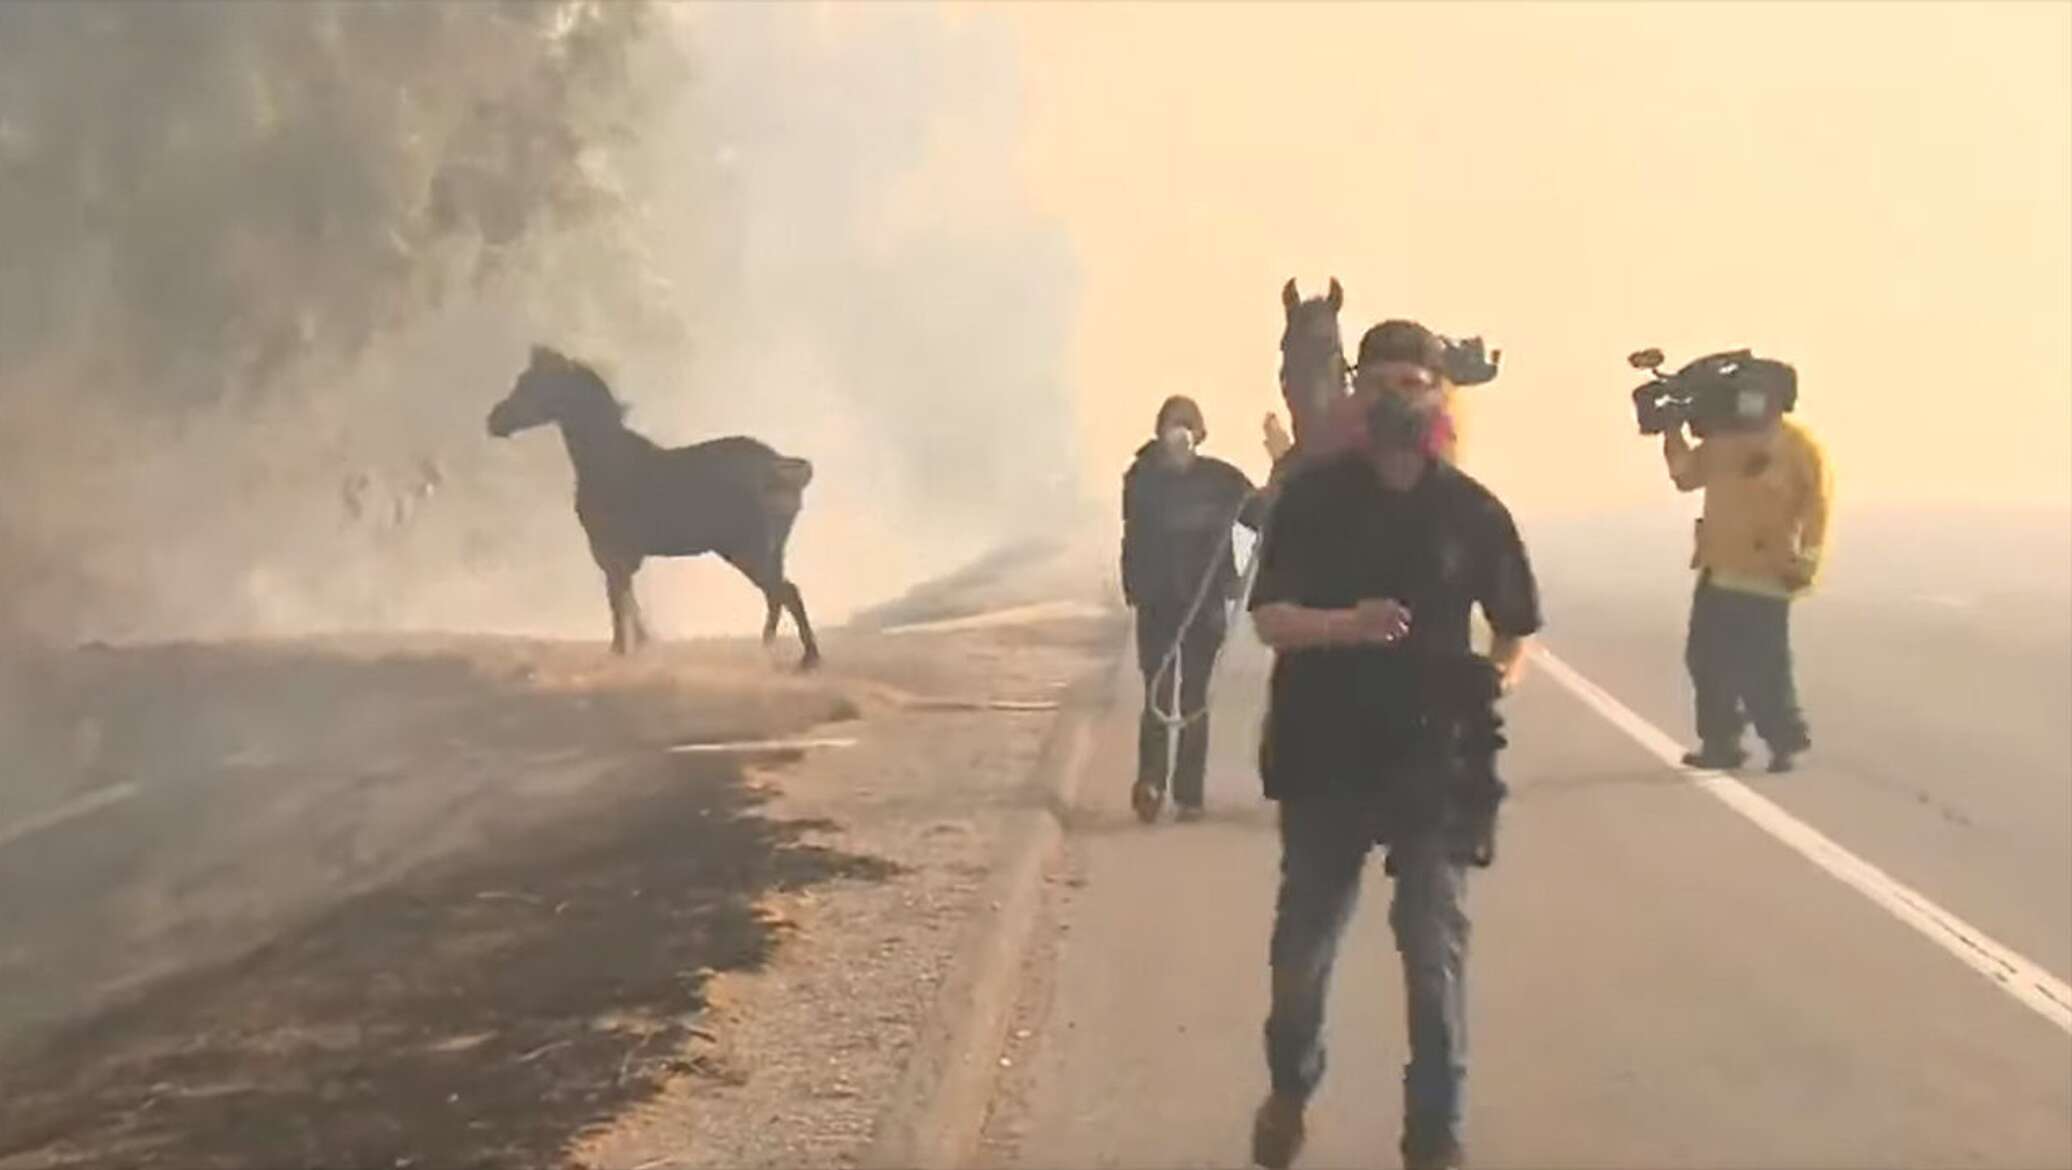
x: 1371, y: 566
x: 1178, y: 507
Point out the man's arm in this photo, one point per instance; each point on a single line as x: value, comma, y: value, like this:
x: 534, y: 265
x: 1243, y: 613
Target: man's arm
x: 1251, y: 508
x: 1256, y: 506
x: 1284, y: 625
x: 1129, y: 544
x: 1507, y: 654
x: 1686, y: 464
x: 1510, y: 598
x: 1814, y: 507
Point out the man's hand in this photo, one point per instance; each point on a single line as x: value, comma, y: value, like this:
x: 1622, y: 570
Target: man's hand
x: 1800, y: 572
x: 1278, y: 443
x: 1286, y: 626
x: 1686, y: 469
x: 1507, y: 655
x: 1381, y: 619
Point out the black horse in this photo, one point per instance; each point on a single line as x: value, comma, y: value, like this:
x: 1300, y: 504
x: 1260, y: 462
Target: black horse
x: 733, y: 496
x: 1313, y: 366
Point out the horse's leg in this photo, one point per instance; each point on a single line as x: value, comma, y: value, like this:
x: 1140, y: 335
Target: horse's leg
x: 617, y: 591
x: 796, y: 603
x: 785, y: 595
x: 635, y: 617
x: 765, y: 572
x: 768, y: 574
x: 628, y: 630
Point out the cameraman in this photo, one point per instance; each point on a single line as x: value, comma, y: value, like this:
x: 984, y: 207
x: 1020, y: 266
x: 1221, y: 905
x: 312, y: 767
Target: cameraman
x: 1767, y: 488
x: 1369, y: 571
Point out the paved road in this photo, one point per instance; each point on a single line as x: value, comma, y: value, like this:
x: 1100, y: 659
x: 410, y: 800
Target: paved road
x: 1657, y: 981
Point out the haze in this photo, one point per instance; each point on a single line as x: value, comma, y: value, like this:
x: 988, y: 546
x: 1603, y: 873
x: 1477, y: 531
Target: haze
x: 333, y: 833
x: 957, y: 255
x: 1880, y: 194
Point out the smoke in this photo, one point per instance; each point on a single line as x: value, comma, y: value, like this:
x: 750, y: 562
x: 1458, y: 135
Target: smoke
x: 887, y: 303
x: 268, y: 267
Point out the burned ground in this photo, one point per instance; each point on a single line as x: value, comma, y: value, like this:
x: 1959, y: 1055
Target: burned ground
x: 472, y: 1015
x: 498, y: 979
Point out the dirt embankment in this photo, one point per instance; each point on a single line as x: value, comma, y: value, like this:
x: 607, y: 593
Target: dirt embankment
x: 457, y: 902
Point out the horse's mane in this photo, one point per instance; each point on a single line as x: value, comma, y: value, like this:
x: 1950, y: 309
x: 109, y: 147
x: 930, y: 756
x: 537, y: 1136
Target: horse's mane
x: 1296, y: 347
x: 581, y: 373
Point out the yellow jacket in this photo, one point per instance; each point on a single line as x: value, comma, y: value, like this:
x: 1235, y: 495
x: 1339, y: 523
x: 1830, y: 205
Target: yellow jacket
x: 1767, y: 495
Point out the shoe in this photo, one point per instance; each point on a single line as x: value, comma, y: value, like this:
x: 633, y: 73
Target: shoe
x: 1190, y: 813
x: 1784, y: 757
x: 1147, y: 798
x: 1715, y: 759
x: 1277, y: 1133
x: 1445, y: 1157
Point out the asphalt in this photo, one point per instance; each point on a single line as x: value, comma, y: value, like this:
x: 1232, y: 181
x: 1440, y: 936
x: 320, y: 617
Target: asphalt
x: 1655, y: 980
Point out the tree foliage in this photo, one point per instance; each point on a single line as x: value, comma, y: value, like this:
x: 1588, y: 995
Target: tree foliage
x: 195, y: 196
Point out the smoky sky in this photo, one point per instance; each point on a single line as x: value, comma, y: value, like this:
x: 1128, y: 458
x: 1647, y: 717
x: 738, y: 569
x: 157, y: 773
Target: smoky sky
x: 267, y: 265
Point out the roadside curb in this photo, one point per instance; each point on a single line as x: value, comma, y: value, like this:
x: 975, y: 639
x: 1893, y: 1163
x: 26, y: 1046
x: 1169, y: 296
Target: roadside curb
x: 935, y: 1117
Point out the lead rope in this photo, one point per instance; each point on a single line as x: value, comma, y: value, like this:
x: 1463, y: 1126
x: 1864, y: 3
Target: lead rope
x: 1174, y: 719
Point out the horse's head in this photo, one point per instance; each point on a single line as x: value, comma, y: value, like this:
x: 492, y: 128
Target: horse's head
x: 554, y: 389
x: 1313, y: 366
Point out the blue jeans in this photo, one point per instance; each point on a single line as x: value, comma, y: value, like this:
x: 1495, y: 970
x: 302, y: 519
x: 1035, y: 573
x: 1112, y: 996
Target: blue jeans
x: 1739, y: 654
x: 1325, y: 840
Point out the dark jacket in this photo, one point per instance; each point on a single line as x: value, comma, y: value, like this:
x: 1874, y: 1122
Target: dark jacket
x: 1176, y: 523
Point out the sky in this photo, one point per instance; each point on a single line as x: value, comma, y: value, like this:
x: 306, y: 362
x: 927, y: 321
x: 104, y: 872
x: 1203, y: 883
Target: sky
x: 956, y: 254
x: 1880, y: 194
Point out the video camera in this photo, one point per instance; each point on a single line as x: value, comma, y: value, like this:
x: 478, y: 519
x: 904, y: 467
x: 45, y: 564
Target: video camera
x: 1469, y: 362
x: 1727, y: 391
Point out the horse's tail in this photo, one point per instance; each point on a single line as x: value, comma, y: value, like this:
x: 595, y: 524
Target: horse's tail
x: 793, y: 474
x: 786, y: 487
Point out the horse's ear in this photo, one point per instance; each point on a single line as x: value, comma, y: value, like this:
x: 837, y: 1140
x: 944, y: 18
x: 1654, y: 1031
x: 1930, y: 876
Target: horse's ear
x: 1336, y: 297
x: 1289, y: 297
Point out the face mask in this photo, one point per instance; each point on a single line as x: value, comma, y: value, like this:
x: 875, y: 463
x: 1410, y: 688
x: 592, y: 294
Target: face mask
x: 1397, y: 425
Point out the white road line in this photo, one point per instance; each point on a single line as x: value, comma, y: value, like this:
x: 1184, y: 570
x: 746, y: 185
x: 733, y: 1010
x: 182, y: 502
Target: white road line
x: 2035, y: 987
x: 1015, y: 705
x: 760, y: 745
x: 1043, y: 611
x: 71, y: 810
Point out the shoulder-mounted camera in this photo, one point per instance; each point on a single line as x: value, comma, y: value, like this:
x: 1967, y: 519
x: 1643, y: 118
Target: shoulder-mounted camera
x: 1469, y: 362
x: 1735, y: 390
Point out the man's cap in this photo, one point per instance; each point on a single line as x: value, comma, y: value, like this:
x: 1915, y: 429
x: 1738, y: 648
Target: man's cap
x: 1402, y: 341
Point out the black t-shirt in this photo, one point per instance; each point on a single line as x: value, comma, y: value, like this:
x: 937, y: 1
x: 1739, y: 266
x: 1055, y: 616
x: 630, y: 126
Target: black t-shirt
x: 1342, y: 716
